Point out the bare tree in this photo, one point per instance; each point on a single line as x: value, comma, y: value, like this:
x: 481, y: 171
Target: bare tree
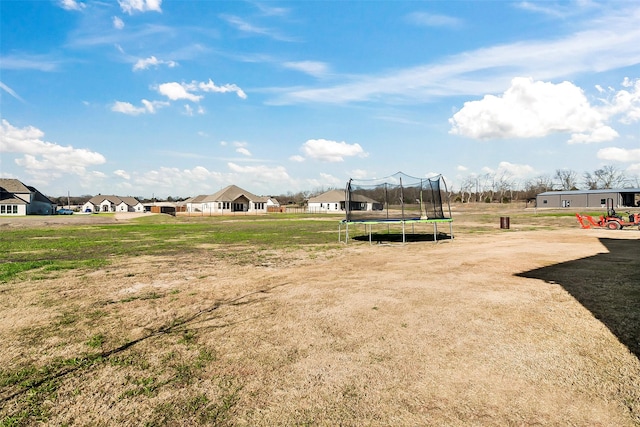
x: 566, y: 179
x: 502, y: 185
x: 485, y: 185
x: 467, y: 189
x: 605, y: 177
x: 537, y: 185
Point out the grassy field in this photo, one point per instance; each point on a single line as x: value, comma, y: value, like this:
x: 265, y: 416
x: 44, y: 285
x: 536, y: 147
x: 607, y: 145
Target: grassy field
x: 253, y: 321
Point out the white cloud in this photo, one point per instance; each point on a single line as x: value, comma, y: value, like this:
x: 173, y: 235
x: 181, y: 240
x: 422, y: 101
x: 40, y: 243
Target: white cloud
x: 331, y: 151
x: 131, y: 6
x: 243, y: 151
x: 44, y: 159
x: 296, y: 158
x: 71, y: 5
x: 331, y: 180
x: 313, y: 68
x: 143, y: 64
x: 601, y: 134
x: 624, y: 103
x: 261, y: 172
x: 130, y: 109
x: 118, y: 23
x: 515, y: 170
x: 619, y: 154
x: 211, y: 87
x: 127, y: 108
x: 175, y: 91
x: 122, y: 174
x: 461, y: 168
x: 531, y: 109
x: 359, y: 174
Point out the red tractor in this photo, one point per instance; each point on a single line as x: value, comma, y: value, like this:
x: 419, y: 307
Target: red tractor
x: 612, y: 220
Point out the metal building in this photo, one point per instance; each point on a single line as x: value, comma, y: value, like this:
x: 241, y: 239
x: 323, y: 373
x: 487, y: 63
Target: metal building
x: 622, y: 197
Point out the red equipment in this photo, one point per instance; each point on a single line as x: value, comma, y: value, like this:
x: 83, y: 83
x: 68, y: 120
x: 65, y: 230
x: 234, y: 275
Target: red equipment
x: 612, y: 220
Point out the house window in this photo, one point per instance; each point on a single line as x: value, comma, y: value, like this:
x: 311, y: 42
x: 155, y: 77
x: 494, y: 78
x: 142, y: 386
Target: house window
x: 8, y: 209
x: 544, y: 202
x: 603, y: 201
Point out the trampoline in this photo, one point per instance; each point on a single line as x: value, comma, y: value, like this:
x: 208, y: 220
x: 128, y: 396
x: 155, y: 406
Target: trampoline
x: 397, y: 201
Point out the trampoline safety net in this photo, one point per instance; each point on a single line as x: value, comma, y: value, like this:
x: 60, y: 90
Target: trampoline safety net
x: 398, y: 197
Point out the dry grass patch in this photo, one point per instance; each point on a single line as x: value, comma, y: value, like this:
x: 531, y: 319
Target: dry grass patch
x: 463, y: 332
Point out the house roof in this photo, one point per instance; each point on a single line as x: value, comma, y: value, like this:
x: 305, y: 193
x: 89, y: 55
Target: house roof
x: 331, y: 196
x: 11, y: 185
x: 337, y: 196
x: 116, y: 200
x: 229, y: 194
x: 600, y: 191
x: 11, y: 200
x: 38, y: 195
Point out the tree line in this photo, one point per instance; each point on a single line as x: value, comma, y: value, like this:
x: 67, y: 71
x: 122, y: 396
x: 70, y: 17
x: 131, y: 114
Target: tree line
x: 502, y: 187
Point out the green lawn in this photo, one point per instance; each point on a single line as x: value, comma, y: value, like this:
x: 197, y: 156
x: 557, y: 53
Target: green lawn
x: 27, y: 250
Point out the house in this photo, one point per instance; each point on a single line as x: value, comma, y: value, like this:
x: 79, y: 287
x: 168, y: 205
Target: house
x: 19, y: 199
x: 231, y: 199
x: 334, y: 201
x: 102, y: 203
x: 624, y: 197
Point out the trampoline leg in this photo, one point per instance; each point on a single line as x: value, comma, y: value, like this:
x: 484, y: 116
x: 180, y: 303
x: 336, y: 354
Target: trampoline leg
x: 403, y: 239
x: 435, y: 232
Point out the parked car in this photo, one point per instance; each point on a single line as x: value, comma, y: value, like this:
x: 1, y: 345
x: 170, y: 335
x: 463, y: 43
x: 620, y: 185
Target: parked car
x: 65, y: 212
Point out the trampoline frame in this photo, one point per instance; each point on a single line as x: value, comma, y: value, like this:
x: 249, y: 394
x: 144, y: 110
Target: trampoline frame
x: 368, y: 224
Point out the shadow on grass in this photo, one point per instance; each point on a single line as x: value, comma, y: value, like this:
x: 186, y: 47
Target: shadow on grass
x: 397, y: 237
x: 23, y: 383
x: 607, y: 284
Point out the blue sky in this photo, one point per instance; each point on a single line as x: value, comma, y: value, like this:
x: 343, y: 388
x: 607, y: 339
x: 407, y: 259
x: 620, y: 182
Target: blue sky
x: 179, y: 98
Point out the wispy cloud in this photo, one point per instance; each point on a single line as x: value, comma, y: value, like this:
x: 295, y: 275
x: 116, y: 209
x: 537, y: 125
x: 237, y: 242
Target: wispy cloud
x: 252, y: 29
x: 10, y: 91
x: 148, y: 107
x: 29, y: 62
x: 433, y: 20
x: 487, y: 70
x: 118, y: 23
x: 313, y: 68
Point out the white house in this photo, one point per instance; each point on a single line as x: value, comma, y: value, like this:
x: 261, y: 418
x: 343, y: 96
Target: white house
x: 333, y: 201
x: 19, y: 199
x: 231, y: 199
x: 102, y: 203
